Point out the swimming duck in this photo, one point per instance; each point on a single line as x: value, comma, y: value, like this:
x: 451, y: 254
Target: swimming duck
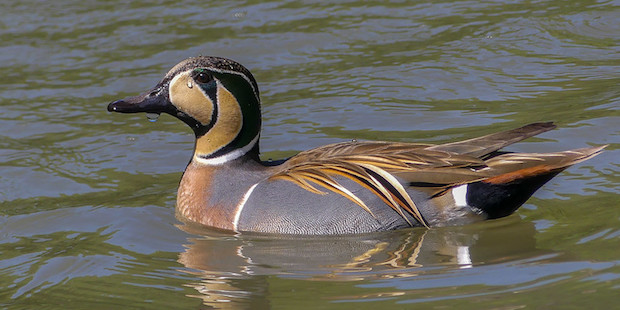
x: 347, y: 187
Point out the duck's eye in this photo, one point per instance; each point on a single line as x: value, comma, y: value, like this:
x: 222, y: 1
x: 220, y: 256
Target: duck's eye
x: 155, y: 92
x: 203, y: 77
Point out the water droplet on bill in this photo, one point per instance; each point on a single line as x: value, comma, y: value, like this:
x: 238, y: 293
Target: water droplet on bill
x: 190, y: 84
x: 152, y: 117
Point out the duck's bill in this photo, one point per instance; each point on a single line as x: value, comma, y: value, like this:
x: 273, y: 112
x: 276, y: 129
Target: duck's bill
x: 149, y: 102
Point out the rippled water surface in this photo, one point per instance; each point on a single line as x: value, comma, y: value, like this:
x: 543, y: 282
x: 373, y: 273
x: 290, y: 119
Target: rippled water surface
x: 87, y: 197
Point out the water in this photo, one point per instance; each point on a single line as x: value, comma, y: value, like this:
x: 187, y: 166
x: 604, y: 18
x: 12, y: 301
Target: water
x: 87, y: 197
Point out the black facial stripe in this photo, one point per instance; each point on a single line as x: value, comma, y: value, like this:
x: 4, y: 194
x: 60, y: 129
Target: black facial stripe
x: 202, y: 129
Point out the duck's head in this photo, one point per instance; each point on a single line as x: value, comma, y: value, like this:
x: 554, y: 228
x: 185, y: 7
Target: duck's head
x: 217, y: 97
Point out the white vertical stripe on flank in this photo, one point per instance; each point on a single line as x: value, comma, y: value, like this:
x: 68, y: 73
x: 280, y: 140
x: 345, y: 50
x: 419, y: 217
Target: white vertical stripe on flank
x: 241, y: 205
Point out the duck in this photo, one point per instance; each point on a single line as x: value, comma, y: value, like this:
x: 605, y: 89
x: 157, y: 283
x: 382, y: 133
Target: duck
x: 342, y: 188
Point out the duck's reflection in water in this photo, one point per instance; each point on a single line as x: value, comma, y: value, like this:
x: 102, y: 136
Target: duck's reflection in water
x: 234, y: 268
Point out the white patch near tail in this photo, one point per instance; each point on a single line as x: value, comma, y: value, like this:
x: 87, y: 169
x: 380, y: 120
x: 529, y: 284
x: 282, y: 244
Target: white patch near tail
x: 462, y: 257
x: 460, y: 195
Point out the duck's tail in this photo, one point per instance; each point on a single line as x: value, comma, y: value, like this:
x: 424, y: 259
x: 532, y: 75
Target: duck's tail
x: 517, y: 177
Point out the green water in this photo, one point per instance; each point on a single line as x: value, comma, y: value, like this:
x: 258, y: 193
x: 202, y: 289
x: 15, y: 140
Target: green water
x: 87, y: 197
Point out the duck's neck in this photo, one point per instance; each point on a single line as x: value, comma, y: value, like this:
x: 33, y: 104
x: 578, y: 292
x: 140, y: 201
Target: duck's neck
x: 206, y: 155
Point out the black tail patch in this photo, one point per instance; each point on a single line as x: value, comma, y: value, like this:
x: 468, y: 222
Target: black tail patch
x: 502, y: 199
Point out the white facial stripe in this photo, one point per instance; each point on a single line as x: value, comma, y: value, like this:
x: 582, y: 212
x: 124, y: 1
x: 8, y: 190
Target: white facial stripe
x: 460, y: 195
x: 228, y: 156
x: 241, y: 205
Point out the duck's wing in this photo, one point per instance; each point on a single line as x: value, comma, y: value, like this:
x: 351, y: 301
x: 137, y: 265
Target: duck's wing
x: 376, y: 166
x: 481, y: 146
x: 388, y: 169
x: 506, y: 168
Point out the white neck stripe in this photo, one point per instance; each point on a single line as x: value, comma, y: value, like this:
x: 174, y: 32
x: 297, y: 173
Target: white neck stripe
x: 228, y: 156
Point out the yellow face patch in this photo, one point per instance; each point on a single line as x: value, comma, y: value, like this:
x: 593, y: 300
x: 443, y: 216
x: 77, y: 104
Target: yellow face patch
x: 227, y: 126
x: 189, y: 98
